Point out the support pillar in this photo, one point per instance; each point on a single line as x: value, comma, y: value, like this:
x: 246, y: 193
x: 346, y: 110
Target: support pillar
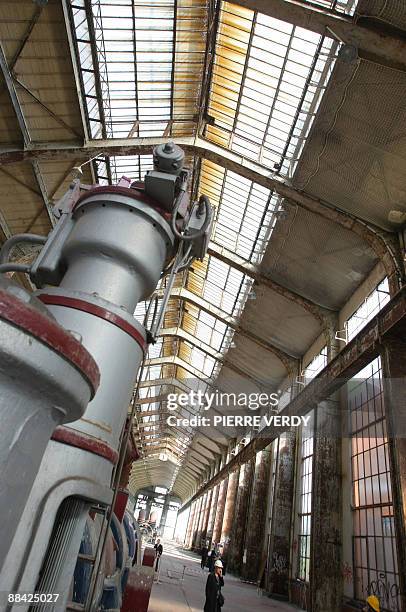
x: 164, y: 515
x: 212, y: 514
x: 394, y: 383
x: 255, y: 532
x: 189, y: 530
x: 197, y: 521
x: 148, y: 507
x: 220, y: 511
x: 279, y: 553
x: 199, y: 532
x: 207, y: 509
x: 240, y: 523
x: 229, y: 510
x: 326, y: 582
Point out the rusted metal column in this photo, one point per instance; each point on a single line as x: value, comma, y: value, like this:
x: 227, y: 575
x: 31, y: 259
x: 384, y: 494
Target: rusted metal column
x: 254, y: 544
x: 220, y: 511
x: 198, y: 543
x: 212, y: 514
x: 229, y: 509
x: 207, y: 509
x: 326, y: 582
x: 189, y: 530
x: 240, y: 524
x: 197, y: 521
x: 283, y: 508
x: 393, y: 358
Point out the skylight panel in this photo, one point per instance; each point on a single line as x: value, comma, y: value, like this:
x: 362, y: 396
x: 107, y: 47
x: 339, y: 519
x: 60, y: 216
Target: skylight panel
x: 274, y: 70
x: 245, y: 211
x: 338, y: 6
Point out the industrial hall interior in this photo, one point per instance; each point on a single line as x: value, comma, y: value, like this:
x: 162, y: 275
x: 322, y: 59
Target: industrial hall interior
x: 203, y: 305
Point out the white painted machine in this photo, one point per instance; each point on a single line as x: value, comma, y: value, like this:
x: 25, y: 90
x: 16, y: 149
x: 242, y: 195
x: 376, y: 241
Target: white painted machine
x: 107, y: 252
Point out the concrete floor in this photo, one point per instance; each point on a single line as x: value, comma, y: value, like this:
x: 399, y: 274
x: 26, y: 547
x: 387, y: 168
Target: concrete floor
x: 173, y: 594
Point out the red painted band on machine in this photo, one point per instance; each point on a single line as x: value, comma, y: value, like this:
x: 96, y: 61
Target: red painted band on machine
x: 51, y: 334
x: 85, y: 442
x: 97, y: 311
x: 132, y: 192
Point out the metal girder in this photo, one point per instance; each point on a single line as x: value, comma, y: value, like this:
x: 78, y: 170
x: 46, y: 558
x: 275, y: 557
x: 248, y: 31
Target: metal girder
x: 290, y: 362
x: 178, y: 332
x: 44, y: 192
x: 151, y: 400
x: 204, y: 451
x: 14, y: 97
x: 253, y: 271
x: 385, y: 48
x: 380, y: 241
x: 67, y: 9
x: 179, y: 363
x: 9, y: 80
x: 196, y: 470
x: 389, y: 322
x: 169, y: 382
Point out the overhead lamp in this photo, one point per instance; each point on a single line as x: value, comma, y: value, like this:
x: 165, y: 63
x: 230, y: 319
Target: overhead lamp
x: 397, y: 217
x: 348, y: 54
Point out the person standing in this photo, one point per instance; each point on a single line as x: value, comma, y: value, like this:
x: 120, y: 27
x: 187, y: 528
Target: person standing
x: 158, y: 554
x: 211, y: 558
x: 205, y: 552
x: 214, y: 597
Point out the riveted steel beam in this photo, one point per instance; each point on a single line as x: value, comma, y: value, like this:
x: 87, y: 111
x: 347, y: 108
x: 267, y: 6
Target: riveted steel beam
x: 381, y: 242
x: 290, y: 362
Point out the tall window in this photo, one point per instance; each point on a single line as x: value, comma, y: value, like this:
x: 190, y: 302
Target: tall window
x: 374, y: 553
x: 368, y: 309
x: 317, y: 364
x: 305, y: 506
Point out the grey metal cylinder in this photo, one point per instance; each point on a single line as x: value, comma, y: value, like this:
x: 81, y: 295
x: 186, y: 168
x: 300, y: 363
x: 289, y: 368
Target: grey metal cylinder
x: 116, y: 341
x: 46, y: 379
x: 117, y: 248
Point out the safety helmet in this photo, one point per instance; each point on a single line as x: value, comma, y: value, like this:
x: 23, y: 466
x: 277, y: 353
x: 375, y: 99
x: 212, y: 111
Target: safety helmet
x: 218, y: 563
x: 373, y: 601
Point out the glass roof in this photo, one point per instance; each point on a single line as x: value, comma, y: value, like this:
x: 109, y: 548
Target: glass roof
x: 268, y: 78
x: 143, y: 66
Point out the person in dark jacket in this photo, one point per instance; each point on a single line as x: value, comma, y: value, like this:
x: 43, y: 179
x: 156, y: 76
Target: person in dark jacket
x: 205, y: 552
x: 214, y: 597
x: 158, y: 554
x: 211, y: 559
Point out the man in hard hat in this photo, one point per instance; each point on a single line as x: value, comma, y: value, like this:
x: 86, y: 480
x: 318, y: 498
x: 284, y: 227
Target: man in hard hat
x: 372, y: 604
x: 214, y: 596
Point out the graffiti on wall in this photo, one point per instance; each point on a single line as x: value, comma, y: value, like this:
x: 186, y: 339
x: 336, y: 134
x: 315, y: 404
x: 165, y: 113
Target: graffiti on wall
x: 347, y: 573
x: 387, y: 592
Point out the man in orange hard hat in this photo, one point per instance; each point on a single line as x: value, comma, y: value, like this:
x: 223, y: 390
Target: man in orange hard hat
x: 372, y: 604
